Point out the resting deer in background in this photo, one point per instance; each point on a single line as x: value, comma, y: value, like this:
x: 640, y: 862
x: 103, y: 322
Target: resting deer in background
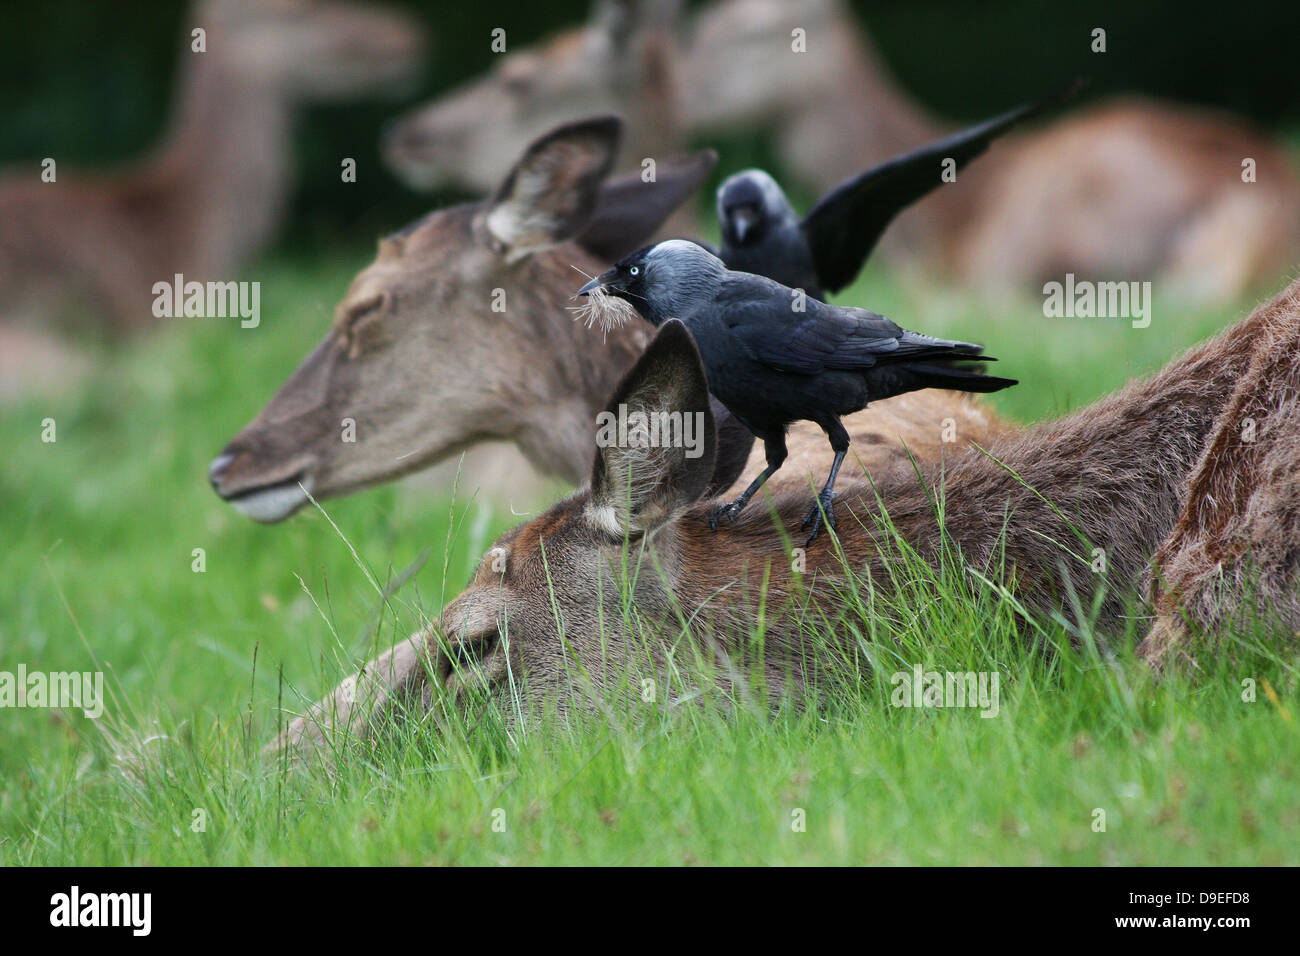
x: 460, y: 333
x: 214, y: 192
x: 545, y: 612
x: 1127, y: 189
x: 1130, y: 188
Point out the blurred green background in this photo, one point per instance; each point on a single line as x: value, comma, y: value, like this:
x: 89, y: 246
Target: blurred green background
x: 89, y: 80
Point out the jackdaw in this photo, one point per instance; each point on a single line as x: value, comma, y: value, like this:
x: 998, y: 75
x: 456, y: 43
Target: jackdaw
x: 825, y: 251
x: 774, y: 356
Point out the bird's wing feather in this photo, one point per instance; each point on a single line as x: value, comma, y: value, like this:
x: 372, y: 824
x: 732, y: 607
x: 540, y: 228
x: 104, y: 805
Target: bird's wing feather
x: 846, y: 223
x: 823, y: 337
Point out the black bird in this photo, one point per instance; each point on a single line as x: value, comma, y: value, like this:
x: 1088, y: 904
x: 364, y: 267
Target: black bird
x: 771, y: 364
x: 825, y: 251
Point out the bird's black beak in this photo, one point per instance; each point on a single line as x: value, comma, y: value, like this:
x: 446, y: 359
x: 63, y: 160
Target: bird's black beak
x: 743, y: 219
x: 600, y: 280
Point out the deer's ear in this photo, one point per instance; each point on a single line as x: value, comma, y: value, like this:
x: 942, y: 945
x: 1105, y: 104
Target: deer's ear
x: 632, y: 210
x: 553, y: 190
x: 655, y: 444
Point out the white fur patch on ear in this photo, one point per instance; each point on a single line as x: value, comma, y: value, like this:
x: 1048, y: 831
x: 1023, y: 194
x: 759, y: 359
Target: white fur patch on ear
x: 521, y: 234
x: 604, y: 517
x: 637, y: 492
x: 553, y: 190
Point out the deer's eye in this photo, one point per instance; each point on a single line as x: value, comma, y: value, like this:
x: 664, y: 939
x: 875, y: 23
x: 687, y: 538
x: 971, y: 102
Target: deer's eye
x: 476, y: 649
x: 468, y: 652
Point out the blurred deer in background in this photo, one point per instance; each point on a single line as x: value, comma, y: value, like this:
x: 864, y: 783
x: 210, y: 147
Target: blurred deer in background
x: 214, y: 192
x: 545, y: 614
x: 460, y: 333
x: 1126, y: 189
x: 622, y: 62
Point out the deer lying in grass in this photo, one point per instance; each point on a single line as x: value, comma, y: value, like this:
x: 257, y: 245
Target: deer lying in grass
x: 207, y: 200
x: 460, y: 332
x: 1149, y: 189
x: 548, y: 610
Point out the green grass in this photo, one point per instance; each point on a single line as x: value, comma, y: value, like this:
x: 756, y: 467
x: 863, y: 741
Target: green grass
x: 99, y: 528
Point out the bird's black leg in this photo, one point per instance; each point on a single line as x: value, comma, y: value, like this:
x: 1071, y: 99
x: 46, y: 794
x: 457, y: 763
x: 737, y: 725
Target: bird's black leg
x: 774, y: 448
x: 822, y: 506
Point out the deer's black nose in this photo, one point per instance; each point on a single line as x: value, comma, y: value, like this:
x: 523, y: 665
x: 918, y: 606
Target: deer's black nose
x: 217, y: 470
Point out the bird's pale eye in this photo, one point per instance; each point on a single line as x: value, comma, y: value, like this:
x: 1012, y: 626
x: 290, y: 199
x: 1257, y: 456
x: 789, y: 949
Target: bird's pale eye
x: 635, y: 270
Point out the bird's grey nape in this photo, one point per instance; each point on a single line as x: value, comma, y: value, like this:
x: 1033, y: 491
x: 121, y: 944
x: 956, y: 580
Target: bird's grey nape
x: 679, y: 275
x: 681, y: 260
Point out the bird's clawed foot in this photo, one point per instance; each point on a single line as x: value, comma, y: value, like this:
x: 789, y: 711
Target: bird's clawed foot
x: 728, y: 511
x: 814, y: 518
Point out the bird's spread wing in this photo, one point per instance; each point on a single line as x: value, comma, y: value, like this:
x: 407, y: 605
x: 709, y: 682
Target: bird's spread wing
x: 846, y: 223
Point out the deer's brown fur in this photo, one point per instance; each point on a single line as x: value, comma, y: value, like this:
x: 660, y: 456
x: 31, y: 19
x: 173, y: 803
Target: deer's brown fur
x: 1236, y: 543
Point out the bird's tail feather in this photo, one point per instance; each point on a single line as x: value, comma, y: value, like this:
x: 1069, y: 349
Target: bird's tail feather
x: 963, y: 379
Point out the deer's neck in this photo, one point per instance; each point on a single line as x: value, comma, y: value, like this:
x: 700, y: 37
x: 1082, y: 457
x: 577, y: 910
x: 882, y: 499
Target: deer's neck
x: 224, y: 164
x: 894, y: 122
x: 825, y: 148
x: 573, y: 370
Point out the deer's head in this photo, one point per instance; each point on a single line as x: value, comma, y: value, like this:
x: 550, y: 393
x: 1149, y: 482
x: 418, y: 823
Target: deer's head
x: 582, y: 591
x: 458, y: 333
